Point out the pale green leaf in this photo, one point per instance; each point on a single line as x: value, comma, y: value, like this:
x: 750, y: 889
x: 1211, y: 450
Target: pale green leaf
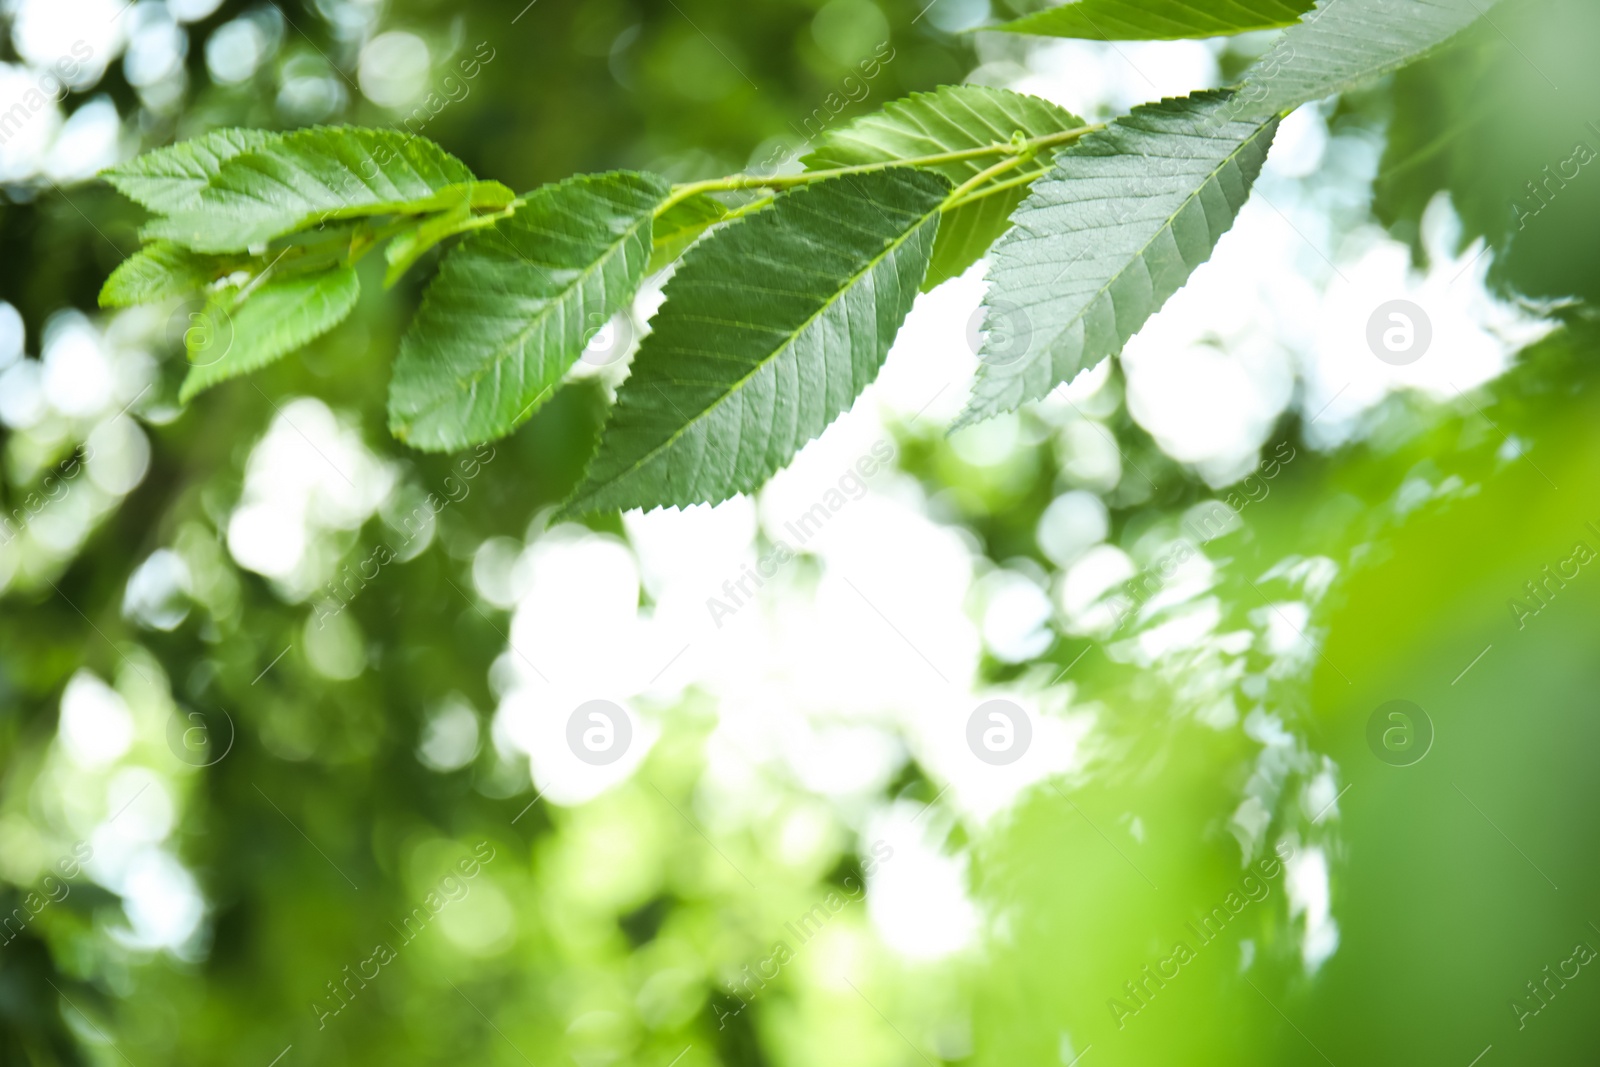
x: 1156, y: 20
x: 770, y: 329
x: 955, y: 118
x: 228, y: 338
x: 512, y: 308
x: 320, y: 174
x: 410, y: 245
x: 675, y: 231
x: 681, y: 225
x: 170, y: 179
x: 1342, y: 43
x: 1103, y: 240
x: 163, y: 270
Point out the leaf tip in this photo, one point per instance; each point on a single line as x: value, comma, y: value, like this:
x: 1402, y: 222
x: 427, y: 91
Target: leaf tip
x: 970, y: 416
x: 578, y: 503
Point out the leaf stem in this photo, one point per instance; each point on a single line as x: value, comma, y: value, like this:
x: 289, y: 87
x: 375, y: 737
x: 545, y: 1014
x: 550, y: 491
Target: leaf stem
x: 984, y: 175
x: 990, y: 190
x: 344, y: 247
x: 1020, y: 151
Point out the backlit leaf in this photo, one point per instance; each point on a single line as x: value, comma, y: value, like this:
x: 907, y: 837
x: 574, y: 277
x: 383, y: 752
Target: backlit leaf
x: 1102, y: 242
x: 1342, y: 43
x: 1156, y: 20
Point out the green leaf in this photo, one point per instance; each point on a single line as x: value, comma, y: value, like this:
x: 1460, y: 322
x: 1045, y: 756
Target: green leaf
x: 1343, y: 43
x: 319, y: 174
x: 512, y: 308
x: 681, y: 225
x: 163, y: 270
x: 170, y: 179
x: 278, y: 317
x: 410, y: 245
x: 676, y: 230
x: 952, y: 119
x: 1156, y: 20
x: 1102, y: 242
x: 771, y: 327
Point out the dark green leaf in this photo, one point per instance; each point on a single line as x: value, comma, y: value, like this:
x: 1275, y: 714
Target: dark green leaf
x: 771, y: 328
x: 512, y: 308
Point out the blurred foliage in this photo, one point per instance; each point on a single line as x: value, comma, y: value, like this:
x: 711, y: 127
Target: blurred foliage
x: 1506, y: 121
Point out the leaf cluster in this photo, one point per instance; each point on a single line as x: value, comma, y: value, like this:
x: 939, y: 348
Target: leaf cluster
x: 787, y: 290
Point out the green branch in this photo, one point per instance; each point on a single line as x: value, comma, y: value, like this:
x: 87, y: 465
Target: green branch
x: 1020, y: 150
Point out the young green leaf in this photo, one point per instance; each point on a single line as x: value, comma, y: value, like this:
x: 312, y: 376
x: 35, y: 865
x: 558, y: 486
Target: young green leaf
x: 410, y: 245
x: 281, y: 315
x: 955, y: 118
x: 1343, y: 43
x: 681, y: 225
x: 512, y: 308
x: 163, y: 270
x: 1156, y: 20
x: 170, y: 179
x: 1103, y: 240
x: 675, y: 230
x: 319, y: 174
x: 771, y: 328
